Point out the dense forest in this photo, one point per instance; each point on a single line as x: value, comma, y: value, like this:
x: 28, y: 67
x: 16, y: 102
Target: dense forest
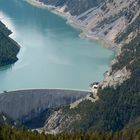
x: 8, y: 47
x: 7, y: 133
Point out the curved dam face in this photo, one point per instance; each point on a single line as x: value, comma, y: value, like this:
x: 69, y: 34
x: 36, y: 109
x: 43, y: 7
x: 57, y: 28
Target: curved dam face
x: 25, y: 103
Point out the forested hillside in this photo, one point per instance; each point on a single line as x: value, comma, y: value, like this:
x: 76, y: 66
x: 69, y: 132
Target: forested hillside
x: 8, y: 47
x: 14, y: 134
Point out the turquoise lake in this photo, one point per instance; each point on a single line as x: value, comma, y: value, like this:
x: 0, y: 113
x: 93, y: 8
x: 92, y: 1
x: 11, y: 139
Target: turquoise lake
x: 52, y: 55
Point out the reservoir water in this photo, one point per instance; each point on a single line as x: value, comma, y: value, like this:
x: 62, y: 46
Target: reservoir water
x: 52, y: 55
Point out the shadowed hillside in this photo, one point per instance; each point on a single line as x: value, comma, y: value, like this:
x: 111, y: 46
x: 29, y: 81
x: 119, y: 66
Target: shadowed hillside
x: 8, y: 47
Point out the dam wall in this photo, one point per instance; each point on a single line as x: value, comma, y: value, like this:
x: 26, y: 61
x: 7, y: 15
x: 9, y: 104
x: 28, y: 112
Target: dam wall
x: 21, y: 103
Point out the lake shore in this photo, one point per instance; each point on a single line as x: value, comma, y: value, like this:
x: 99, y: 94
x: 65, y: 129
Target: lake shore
x: 71, y: 20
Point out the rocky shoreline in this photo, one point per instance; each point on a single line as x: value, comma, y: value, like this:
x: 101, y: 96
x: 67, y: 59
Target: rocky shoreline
x: 71, y: 20
x: 9, y: 48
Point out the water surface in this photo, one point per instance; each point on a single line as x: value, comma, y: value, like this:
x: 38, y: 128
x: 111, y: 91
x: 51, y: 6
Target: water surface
x: 52, y: 55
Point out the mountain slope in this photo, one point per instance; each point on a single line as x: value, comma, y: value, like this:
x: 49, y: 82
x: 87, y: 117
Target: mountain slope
x: 116, y: 109
x: 8, y: 47
x: 102, y: 19
x: 117, y: 23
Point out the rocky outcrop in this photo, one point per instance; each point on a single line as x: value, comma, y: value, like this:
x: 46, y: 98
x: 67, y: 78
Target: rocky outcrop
x: 115, y: 78
x: 58, y: 121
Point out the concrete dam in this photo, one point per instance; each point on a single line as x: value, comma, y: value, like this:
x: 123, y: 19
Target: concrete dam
x: 22, y: 103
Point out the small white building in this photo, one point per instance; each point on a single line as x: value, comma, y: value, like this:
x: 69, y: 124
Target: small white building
x: 94, y: 85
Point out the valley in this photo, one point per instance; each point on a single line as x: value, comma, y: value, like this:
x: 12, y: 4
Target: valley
x: 115, y: 106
